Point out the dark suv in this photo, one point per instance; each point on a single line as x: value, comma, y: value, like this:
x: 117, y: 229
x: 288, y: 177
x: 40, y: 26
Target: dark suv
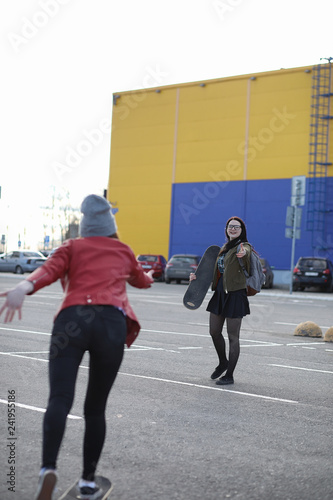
x: 313, y: 271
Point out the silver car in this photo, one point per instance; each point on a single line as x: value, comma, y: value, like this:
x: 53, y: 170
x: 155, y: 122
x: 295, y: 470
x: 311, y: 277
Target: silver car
x: 180, y: 266
x: 21, y: 261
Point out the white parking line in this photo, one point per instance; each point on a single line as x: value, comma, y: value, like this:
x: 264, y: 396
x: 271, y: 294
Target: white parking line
x: 24, y: 331
x: 161, y: 302
x: 26, y: 352
x: 161, y: 380
x: 260, y: 396
x: 174, y: 333
x: 136, y: 347
x: 185, y: 348
x: 304, y: 343
x: 35, y: 408
x: 294, y: 324
x: 21, y: 356
x: 299, y: 368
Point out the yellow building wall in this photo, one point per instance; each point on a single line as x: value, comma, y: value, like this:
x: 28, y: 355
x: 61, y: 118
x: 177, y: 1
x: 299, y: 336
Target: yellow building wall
x: 142, y: 144
x: 272, y: 111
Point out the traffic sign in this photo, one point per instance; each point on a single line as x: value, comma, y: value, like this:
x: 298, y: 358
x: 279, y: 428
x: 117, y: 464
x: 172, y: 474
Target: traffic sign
x: 294, y: 211
x: 289, y: 233
x: 298, y: 190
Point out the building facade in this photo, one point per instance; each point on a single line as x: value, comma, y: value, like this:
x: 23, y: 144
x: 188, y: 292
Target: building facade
x: 184, y: 158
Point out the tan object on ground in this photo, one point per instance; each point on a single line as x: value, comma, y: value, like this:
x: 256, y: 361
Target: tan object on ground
x: 308, y: 329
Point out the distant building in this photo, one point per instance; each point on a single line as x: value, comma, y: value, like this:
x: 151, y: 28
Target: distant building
x: 184, y: 158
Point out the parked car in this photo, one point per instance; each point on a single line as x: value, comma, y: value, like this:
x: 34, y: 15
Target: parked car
x: 156, y: 262
x: 180, y: 266
x: 313, y: 271
x: 268, y: 272
x: 21, y: 261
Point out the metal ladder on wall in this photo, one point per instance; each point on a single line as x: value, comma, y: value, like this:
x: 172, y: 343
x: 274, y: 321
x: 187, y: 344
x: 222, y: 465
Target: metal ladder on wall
x: 318, y: 153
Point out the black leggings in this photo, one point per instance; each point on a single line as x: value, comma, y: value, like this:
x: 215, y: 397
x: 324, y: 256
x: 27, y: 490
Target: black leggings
x: 233, y: 328
x: 101, y: 330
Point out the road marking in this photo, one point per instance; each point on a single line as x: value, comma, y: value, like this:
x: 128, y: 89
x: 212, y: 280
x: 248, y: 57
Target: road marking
x: 160, y: 302
x: 26, y: 352
x: 184, y: 348
x: 147, y: 348
x: 25, y: 357
x: 174, y: 333
x: 166, y: 381
x: 24, y: 331
x: 269, y: 398
x: 294, y: 324
x: 35, y: 302
x: 299, y: 368
x: 35, y: 408
x: 304, y: 343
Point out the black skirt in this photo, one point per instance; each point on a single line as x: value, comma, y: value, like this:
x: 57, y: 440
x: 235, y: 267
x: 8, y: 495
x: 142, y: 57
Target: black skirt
x: 229, y: 305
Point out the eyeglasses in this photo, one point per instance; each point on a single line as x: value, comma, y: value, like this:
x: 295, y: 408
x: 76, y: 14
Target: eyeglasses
x: 231, y: 226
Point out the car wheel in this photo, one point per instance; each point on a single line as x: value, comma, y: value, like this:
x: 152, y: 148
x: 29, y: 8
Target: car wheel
x: 302, y: 288
x: 18, y: 270
x: 295, y: 288
x: 167, y: 281
x: 178, y: 282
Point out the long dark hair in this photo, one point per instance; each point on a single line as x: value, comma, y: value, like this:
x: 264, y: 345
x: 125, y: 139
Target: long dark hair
x: 232, y: 243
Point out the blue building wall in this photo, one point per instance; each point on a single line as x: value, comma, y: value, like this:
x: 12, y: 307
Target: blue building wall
x: 200, y: 210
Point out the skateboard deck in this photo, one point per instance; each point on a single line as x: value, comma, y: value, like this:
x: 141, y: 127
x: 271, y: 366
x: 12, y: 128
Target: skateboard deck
x: 73, y: 492
x: 197, y: 289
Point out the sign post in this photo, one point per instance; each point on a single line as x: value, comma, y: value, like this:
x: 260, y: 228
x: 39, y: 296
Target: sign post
x: 294, y: 216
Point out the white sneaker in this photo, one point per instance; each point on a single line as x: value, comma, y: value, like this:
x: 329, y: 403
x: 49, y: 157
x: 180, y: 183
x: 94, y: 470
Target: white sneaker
x: 88, y: 493
x: 46, y: 484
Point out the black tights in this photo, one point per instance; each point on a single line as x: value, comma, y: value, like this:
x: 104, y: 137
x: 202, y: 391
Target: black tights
x: 101, y: 330
x: 233, y: 328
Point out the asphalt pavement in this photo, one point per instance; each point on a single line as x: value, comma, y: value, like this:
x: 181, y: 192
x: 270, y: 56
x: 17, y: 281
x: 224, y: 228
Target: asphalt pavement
x: 173, y: 434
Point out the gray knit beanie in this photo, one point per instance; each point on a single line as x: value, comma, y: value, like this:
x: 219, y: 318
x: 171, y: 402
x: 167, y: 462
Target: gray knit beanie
x: 97, y: 219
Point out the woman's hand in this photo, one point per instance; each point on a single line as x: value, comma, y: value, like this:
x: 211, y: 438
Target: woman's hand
x: 192, y: 277
x: 15, y: 299
x: 242, y: 252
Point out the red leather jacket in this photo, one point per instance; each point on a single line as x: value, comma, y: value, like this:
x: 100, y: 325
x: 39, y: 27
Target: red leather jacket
x: 94, y: 271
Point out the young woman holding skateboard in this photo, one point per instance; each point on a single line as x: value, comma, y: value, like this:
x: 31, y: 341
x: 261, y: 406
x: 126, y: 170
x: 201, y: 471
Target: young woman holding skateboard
x: 229, y: 302
x: 94, y: 316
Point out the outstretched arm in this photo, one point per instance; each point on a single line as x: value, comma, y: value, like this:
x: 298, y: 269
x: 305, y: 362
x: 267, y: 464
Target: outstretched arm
x: 15, y: 299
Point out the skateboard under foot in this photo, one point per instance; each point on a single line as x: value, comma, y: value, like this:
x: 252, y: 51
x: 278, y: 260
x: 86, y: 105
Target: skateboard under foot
x: 73, y: 493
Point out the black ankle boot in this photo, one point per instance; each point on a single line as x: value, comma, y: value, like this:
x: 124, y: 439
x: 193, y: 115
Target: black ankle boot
x: 219, y: 370
x: 226, y: 380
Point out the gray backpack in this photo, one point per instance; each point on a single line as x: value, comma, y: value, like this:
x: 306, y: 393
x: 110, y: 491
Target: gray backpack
x: 256, y: 278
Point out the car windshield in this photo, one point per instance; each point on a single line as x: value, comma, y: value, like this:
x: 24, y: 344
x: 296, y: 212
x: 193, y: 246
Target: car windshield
x: 183, y: 258
x: 147, y: 258
x: 319, y: 264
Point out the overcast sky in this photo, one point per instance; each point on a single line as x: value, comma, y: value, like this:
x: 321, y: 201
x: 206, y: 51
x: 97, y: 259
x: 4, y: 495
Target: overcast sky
x: 63, y: 59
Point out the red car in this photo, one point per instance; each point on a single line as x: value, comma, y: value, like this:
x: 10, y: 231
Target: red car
x: 156, y: 262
